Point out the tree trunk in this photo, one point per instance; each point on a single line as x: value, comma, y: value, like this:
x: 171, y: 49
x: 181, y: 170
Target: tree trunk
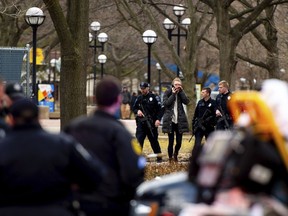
x: 190, y: 62
x: 226, y: 43
x: 73, y: 36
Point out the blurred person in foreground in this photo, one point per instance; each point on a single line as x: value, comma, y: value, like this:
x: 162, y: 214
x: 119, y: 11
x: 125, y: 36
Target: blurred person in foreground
x: 38, y: 169
x: 4, y: 127
x: 105, y: 136
x: 174, y: 118
x: 224, y: 118
x: 148, y: 112
x: 9, y: 93
x: 13, y: 92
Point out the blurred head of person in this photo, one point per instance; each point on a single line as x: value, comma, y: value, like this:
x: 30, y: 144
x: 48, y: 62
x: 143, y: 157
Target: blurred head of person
x: 144, y: 88
x: 23, y: 112
x: 108, y: 94
x: 2, y: 88
x: 14, y: 91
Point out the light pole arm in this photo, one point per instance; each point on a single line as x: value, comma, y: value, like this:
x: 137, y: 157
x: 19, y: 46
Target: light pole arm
x: 178, y: 44
x: 102, y: 70
x: 102, y: 46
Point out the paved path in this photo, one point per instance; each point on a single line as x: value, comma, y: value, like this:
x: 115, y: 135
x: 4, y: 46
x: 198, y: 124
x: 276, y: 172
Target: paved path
x: 53, y: 125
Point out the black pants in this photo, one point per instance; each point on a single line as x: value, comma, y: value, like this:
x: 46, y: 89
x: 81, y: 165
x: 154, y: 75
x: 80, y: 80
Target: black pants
x: 142, y: 131
x: 199, y: 134
x: 171, y: 140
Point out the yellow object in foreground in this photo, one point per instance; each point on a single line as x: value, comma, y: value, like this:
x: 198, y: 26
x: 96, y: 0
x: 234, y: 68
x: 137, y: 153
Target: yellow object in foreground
x: 261, y: 118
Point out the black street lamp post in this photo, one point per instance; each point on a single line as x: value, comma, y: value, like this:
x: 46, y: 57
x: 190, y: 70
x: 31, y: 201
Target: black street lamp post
x: 178, y: 11
x: 158, y: 66
x: 149, y: 37
x: 34, y: 17
x: 102, y: 60
x: 102, y: 38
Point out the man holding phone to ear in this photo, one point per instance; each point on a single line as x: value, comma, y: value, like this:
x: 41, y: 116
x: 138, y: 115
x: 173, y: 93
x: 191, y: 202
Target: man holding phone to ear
x: 174, y: 118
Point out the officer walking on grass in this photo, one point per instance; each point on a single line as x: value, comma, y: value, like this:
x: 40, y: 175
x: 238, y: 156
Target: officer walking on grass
x: 148, y: 112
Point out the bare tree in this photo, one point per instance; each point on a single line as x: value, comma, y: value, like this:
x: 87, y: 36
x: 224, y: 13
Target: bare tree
x: 229, y: 32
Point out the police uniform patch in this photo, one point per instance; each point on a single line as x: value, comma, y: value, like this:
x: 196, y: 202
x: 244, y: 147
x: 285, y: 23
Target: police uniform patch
x: 150, y: 99
x: 136, y: 146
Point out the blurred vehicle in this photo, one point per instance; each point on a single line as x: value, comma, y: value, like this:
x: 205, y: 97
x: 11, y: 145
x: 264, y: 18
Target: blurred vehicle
x: 164, y: 196
x: 239, y: 172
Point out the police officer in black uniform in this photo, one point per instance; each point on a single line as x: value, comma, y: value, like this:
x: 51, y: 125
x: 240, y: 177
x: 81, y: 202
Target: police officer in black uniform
x: 105, y: 136
x: 148, y: 112
x: 224, y: 118
x: 37, y: 168
x: 204, y: 119
x: 13, y: 92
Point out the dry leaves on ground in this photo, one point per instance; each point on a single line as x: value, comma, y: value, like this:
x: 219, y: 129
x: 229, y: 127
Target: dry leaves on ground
x: 154, y: 169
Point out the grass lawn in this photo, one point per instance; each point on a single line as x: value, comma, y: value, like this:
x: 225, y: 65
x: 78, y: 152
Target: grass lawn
x: 154, y: 169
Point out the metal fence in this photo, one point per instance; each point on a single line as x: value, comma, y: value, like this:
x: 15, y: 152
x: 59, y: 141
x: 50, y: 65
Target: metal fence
x: 11, y: 62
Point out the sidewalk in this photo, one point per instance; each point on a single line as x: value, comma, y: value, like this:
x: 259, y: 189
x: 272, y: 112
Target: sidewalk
x: 53, y: 125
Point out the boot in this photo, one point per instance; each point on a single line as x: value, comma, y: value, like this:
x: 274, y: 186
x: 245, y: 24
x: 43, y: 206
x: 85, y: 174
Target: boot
x: 159, y: 159
x: 175, y: 157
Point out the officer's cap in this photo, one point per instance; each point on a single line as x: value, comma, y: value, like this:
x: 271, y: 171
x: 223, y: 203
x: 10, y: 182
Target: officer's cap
x: 14, y: 91
x: 144, y: 85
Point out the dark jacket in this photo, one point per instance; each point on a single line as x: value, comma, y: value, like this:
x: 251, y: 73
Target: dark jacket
x: 150, y: 105
x: 38, y: 168
x: 205, y: 114
x: 132, y: 102
x: 222, y: 101
x: 109, y: 140
x: 168, y: 102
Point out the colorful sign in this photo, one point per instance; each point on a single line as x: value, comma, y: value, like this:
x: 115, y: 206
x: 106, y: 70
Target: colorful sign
x: 46, y: 96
